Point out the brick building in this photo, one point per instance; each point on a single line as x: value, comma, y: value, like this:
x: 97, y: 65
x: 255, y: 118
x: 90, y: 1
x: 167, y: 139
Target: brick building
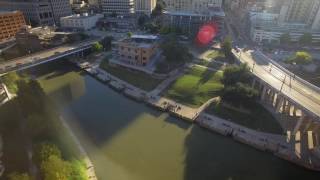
x: 10, y: 23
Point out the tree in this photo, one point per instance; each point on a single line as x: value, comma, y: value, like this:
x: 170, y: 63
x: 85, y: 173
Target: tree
x: 142, y: 20
x: 240, y: 94
x: 129, y: 34
x: 107, y: 42
x: 55, y: 168
x: 18, y: 176
x: 152, y: 27
x: 305, y: 39
x: 285, y: 38
x: 233, y: 74
x: 157, y: 11
x: 97, y: 47
x: 175, y: 52
x: 31, y: 96
x: 78, y: 170
x: 237, y: 90
x: 300, y: 57
x: 10, y: 81
x: 227, y: 47
x: 44, y: 150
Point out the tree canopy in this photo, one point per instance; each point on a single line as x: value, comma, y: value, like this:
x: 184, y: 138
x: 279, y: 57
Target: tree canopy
x: 305, y: 39
x: 175, y: 52
x: 233, y: 74
x: 157, y: 11
x: 19, y: 176
x: 55, y: 168
x: 45, y: 150
x: 97, y: 47
x: 285, y: 38
x: 10, y: 80
x: 236, y: 81
x: 226, y: 48
x: 300, y: 58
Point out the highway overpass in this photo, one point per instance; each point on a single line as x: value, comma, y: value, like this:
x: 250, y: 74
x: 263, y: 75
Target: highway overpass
x: 38, y: 58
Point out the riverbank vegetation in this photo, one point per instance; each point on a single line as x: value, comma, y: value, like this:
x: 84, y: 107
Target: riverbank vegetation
x: 139, y: 79
x: 239, y: 102
x: 196, y: 87
x: 30, y: 121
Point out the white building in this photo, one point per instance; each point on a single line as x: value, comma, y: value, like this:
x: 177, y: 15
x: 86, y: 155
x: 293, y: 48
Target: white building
x: 145, y: 6
x: 120, y: 7
x: 83, y: 22
x: 295, y: 17
x: 192, y: 6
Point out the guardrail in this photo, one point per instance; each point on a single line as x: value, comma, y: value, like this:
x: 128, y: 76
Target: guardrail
x: 44, y: 60
x: 313, y: 87
x: 10, y: 61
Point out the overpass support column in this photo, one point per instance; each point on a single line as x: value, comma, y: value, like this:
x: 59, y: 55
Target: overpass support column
x: 253, y: 83
x: 273, y: 95
x: 263, y: 94
x: 294, y: 113
x: 296, y: 128
x: 279, y: 103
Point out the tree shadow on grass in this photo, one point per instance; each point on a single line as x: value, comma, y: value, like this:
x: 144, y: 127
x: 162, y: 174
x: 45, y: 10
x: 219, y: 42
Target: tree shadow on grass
x: 206, y: 76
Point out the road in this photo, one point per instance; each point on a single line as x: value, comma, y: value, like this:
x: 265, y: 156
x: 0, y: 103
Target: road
x: 280, y: 80
x: 40, y: 56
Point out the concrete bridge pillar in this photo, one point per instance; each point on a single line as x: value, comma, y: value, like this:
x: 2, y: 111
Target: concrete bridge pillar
x: 273, y: 95
x: 298, y: 125
x: 263, y: 94
x: 253, y: 83
x: 285, y: 107
x: 279, y: 103
x: 294, y: 112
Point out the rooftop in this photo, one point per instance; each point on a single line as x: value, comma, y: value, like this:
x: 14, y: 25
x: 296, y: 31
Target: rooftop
x: 210, y: 12
x: 6, y: 12
x: 78, y: 16
x: 150, y: 37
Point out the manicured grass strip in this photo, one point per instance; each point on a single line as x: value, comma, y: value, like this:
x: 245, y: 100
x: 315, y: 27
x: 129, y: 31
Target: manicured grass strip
x: 215, y: 54
x: 196, y: 87
x: 136, y: 78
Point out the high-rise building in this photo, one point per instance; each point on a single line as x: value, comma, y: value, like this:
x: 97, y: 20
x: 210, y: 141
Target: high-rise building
x: 145, y: 6
x: 300, y: 11
x: 190, y: 15
x: 10, y: 23
x: 119, y: 7
x: 39, y: 12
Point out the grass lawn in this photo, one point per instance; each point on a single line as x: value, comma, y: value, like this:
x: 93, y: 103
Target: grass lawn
x: 213, y: 64
x: 257, y: 118
x: 136, y: 78
x: 196, y: 87
x: 215, y: 54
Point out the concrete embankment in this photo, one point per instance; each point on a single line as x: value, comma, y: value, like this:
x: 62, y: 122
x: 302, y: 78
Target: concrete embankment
x: 275, y: 144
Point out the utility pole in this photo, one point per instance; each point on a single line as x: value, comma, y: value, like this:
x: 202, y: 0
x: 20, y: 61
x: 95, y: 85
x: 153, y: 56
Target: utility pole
x: 284, y: 80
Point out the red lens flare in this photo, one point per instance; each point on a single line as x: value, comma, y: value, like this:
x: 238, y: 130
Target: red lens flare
x: 206, y: 33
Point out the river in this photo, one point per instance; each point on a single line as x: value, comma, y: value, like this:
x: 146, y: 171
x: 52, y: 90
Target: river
x: 127, y: 140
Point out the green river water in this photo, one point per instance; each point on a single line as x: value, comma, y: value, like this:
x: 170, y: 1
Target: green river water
x: 127, y: 140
